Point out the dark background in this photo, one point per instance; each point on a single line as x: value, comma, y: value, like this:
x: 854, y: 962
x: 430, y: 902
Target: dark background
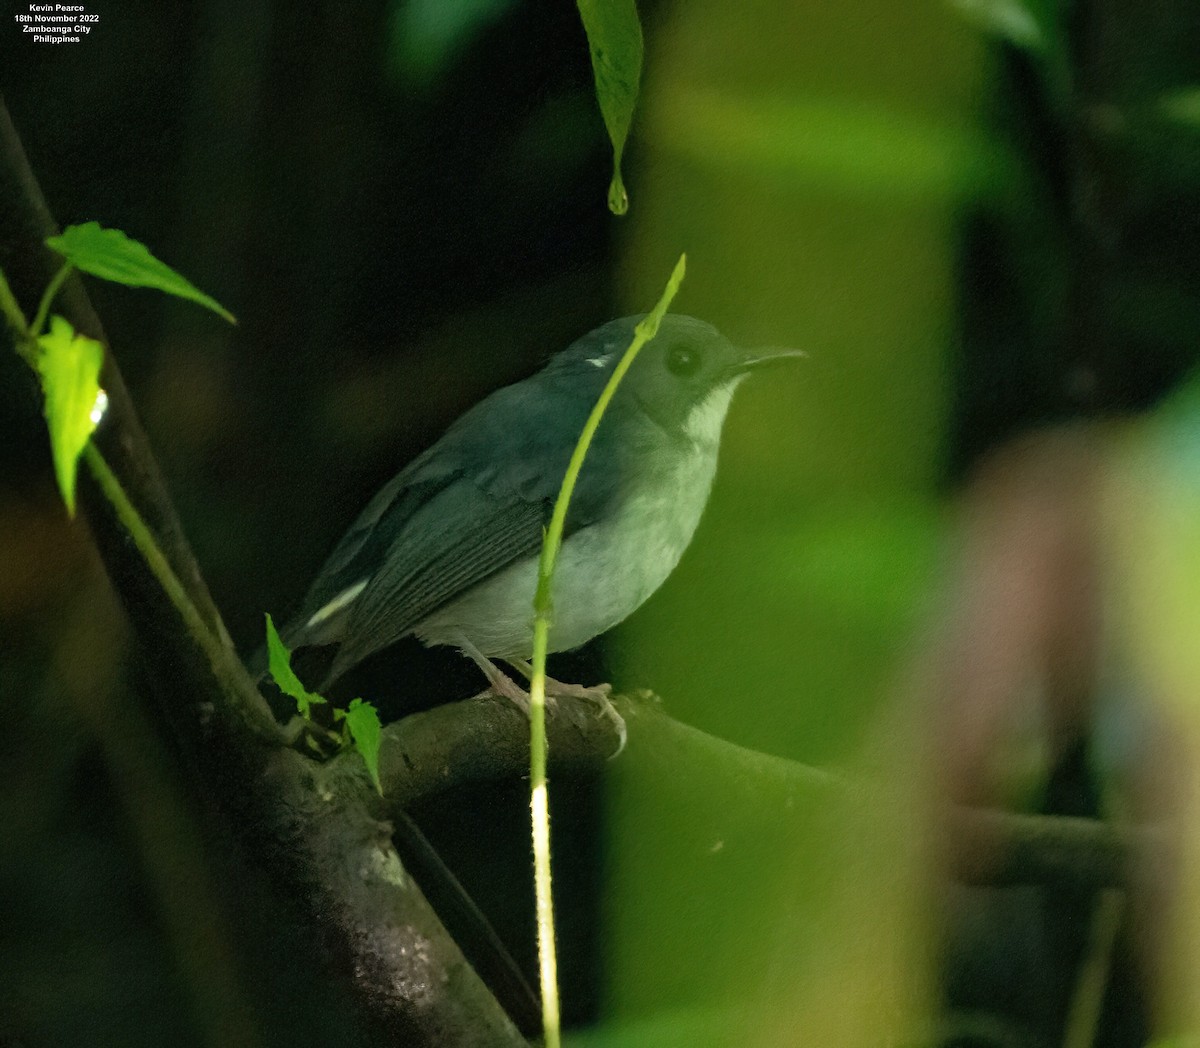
x: 404, y: 205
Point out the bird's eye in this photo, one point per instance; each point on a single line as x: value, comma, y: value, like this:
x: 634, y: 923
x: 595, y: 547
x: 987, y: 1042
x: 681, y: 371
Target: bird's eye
x: 682, y: 361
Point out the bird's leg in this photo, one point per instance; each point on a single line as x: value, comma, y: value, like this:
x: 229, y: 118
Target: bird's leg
x: 598, y: 694
x: 500, y: 682
x: 503, y: 685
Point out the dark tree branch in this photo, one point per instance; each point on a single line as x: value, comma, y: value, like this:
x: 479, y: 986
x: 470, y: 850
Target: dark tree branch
x: 486, y: 738
x: 319, y: 830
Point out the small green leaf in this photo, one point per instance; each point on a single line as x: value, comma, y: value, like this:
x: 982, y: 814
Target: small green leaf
x: 615, y: 41
x: 280, y: 666
x: 362, y: 721
x: 69, y: 364
x: 110, y: 254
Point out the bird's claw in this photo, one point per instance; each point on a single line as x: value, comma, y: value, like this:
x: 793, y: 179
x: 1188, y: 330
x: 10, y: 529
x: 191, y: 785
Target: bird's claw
x: 598, y: 694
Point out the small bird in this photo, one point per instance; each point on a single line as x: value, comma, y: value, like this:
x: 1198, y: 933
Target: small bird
x: 448, y: 549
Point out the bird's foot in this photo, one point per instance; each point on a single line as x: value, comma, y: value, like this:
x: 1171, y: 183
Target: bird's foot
x: 600, y: 695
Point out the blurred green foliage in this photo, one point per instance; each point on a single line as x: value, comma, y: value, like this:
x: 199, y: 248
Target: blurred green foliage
x: 814, y: 166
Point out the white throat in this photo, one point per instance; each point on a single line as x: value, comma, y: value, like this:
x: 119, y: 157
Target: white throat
x: 703, y: 423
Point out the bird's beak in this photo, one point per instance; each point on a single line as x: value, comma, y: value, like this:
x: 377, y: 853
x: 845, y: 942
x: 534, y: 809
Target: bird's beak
x: 767, y: 356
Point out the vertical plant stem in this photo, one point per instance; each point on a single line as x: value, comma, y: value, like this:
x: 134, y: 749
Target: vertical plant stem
x: 542, y: 607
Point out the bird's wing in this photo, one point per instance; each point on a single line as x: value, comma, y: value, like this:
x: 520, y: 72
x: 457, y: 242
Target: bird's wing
x: 457, y: 540
x: 474, y: 504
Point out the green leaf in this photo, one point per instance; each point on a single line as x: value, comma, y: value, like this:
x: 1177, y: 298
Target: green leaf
x: 362, y: 721
x: 615, y: 41
x: 69, y: 364
x: 280, y: 666
x: 110, y: 254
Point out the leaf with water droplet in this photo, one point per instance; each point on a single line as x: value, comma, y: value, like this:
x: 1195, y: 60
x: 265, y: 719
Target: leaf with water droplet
x: 615, y: 41
x: 69, y: 364
x: 111, y: 255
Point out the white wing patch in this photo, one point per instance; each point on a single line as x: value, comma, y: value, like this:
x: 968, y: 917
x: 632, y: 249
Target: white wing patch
x: 600, y: 362
x: 336, y: 605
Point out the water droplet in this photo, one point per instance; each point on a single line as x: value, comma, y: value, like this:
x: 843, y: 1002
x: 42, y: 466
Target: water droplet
x: 99, y: 407
x: 618, y: 199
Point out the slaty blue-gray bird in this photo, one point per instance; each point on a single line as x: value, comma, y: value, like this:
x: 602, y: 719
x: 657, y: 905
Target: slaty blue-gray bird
x: 448, y: 549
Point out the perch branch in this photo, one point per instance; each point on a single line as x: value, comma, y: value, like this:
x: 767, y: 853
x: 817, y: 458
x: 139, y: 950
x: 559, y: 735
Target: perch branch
x: 486, y: 738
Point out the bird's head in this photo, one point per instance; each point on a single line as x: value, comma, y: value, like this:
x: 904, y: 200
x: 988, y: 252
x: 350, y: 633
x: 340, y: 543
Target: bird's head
x: 683, y: 379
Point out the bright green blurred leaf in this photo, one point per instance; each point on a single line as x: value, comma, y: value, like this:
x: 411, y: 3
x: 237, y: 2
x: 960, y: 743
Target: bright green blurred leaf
x: 1165, y: 572
x: 1154, y: 522
x: 615, y: 41
x: 111, y: 255
x: 362, y: 721
x: 280, y: 666
x: 70, y: 368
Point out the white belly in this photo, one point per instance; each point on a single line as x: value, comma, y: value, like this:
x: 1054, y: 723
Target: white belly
x: 605, y: 572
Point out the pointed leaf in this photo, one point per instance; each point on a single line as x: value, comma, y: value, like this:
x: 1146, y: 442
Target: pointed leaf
x: 69, y: 364
x: 110, y: 254
x: 615, y: 42
x: 280, y: 667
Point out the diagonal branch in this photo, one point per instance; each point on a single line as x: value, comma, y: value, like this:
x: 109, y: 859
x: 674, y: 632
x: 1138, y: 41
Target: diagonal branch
x: 320, y: 831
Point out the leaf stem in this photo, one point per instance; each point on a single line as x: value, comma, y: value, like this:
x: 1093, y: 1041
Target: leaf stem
x: 43, y: 310
x: 160, y: 567
x: 542, y: 606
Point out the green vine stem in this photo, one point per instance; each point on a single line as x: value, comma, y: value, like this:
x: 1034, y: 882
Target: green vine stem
x: 542, y: 605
